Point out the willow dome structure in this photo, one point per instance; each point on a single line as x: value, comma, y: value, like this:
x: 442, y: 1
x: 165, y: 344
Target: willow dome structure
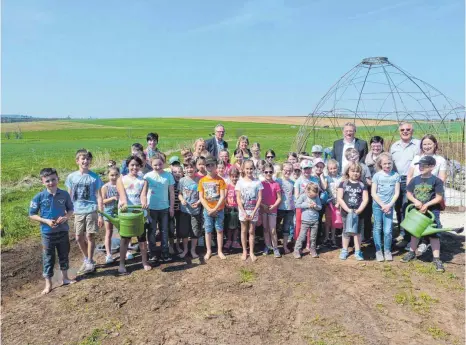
x: 377, y: 95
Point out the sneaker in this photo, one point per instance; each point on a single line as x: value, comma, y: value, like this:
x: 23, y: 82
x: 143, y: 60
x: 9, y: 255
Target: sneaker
x: 201, y: 242
x: 236, y: 245
x: 344, y: 254
x: 165, y: 257
x: 379, y: 256
x: 265, y: 251
x: 388, y: 256
x: 153, y: 258
x: 227, y: 245
x: 400, y: 238
x: 402, y: 244
x: 409, y: 256
x: 90, y: 267
x: 358, y: 255
x: 438, y: 265
x: 327, y: 243
x: 108, y: 259
x: 82, y: 269
x: 334, y: 244
x: 129, y: 256
x: 296, y: 255
x: 276, y: 253
x: 313, y: 252
x: 408, y: 247
x: 423, y: 248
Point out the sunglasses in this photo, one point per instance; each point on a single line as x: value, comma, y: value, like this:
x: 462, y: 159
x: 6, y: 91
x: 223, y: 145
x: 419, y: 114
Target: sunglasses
x: 270, y: 157
x: 268, y: 172
x: 297, y: 170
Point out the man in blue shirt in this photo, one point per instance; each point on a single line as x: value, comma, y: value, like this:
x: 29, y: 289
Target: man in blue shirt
x: 52, y: 208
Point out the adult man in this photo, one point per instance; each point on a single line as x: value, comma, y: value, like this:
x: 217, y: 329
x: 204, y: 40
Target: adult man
x: 403, y: 152
x: 216, y: 144
x: 340, y: 146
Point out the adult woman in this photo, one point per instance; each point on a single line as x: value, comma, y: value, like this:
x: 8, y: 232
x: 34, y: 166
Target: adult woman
x: 429, y: 147
x: 376, y: 148
x: 199, y: 147
x: 242, y: 145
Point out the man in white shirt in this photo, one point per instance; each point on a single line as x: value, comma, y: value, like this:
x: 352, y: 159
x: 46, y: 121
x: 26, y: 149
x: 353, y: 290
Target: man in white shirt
x: 349, y: 140
x: 217, y: 144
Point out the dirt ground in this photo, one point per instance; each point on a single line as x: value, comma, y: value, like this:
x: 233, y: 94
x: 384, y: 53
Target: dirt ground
x: 321, y: 301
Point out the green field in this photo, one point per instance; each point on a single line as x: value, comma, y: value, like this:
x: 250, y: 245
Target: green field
x: 23, y: 158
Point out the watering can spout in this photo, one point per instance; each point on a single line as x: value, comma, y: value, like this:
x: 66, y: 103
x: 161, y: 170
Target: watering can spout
x: 114, y: 220
x: 432, y: 229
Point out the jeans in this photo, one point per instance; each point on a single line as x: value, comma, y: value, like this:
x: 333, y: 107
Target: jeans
x: 382, y: 221
x: 213, y: 222
x: 400, y: 206
x: 287, y: 217
x: 303, y: 232
x: 60, y: 242
x: 160, y: 218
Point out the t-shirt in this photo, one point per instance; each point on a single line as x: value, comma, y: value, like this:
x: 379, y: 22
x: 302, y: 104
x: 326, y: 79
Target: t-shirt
x: 365, y: 172
x: 50, y: 206
x: 440, y: 165
x: 332, y: 186
x: 211, y: 187
x: 189, y: 190
x: 352, y: 194
x: 386, y: 185
x: 84, y: 188
x: 133, y: 188
x: 249, y: 191
x: 231, y: 196
x: 301, y: 183
x: 177, y: 192
x: 111, y: 192
x: 158, y: 187
x: 269, y: 194
x: 424, y: 189
x: 287, y: 190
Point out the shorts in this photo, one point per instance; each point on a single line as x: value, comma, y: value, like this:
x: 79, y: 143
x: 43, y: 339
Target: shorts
x: 86, y: 222
x: 213, y: 222
x: 287, y: 216
x: 242, y: 216
x: 111, y: 212
x: 190, y: 226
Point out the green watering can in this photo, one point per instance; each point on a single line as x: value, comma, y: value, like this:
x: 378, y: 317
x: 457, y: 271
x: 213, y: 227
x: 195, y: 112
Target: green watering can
x: 129, y: 222
x: 418, y: 224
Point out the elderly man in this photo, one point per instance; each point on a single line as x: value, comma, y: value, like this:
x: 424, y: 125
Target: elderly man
x: 403, y: 152
x: 216, y: 144
x: 340, y: 146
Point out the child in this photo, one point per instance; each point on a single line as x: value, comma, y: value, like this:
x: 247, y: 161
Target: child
x: 318, y: 172
x: 221, y: 171
x: 199, y: 147
x: 190, y: 217
x: 224, y: 156
x: 256, y: 153
x: 296, y: 172
x: 110, y: 200
x: 259, y: 171
x: 292, y: 158
x: 238, y: 162
x: 385, y: 190
x: 52, y: 208
x: 160, y: 191
x: 186, y: 153
x: 212, y: 194
x: 174, y: 162
x: 316, y: 152
x: 231, y: 211
x: 271, y: 198
x: 249, y: 198
x: 131, y: 192
x: 333, y: 180
x: 286, y: 207
x: 177, y: 172
x: 352, y: 197
x: 426, y: 191
x: 152, y: 141
x: 135, y: 149
x: 310, y: 205
x: 84, y: 188
x: 200, y: 167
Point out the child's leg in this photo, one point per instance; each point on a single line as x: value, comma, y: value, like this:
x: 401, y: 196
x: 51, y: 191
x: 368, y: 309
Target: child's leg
x: 151, y: 232
x: 196, y: 228
x: 302, y: 237
x: 63, y: 250
x: 435, y: 243
x: 163, y: 225
x: 219, y: 223
x: 244, y: 238
x: 272, y: 220
x: 209, y: 228
x: 252, y: 235
x: 308, y: 239
x: 48, y: 261
x: 185, y: 247
x: 297, y: 223
x: 108, y: 237
x: 124, y: 241
x: 387, y: 231
x: 314, y: 229
x: 357, y: 242
x: 266, y: 226
x: 208, y: 240
x: 377, y: 230
x: 413, y: 243
x: 143, y: 246
x: 91, y: 246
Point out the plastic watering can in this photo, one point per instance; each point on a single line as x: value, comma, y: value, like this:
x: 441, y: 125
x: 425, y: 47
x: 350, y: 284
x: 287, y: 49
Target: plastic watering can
x: 415, y: 222
x: 130, y: 222
x: 431, y: 229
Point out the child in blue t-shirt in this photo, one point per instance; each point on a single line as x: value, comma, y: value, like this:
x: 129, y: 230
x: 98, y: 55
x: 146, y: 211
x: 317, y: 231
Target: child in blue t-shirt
x: 52, y: 208
x: 385, y: 190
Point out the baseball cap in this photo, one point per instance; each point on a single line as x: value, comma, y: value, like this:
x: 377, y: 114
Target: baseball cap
x: 210, y: 160
x: 306, y: 164
x: 427, y: 160
x: 316, y: 148
x: 317, y: 161
x: 174, y: 159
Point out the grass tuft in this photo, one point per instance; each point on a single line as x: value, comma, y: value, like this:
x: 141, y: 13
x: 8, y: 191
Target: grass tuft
x: 247, y: 275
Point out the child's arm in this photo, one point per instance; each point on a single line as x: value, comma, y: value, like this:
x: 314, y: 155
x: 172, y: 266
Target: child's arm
x: 181, y: 198
x: 409, y: 176
x: 108, y: 200
x: 100, y: 207
x: 317, y: 204
x: 69, y: 211
x: 220, y: 201
x: 34, y: 213
x: 49, y: 222
x: 171, y: 189
x: 204, y: 201
x: 411, y: 198
x: 301, y: 202
x: 365, y: 200
x: 143, y: 197
x: 277, y: 202
x: 323, y: 182
x: 396, y: 195
x: 296, y: 191
x: 259, y: 200
x: 239, y: 201
x: 341, y: 202
x: 375, y: 196
x: 122, y: 193
x: 438, y: 198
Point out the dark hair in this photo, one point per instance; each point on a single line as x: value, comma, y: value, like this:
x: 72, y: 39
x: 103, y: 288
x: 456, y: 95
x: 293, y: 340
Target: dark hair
x: 141, y: 154
x: 83, y: 152
x: 115, y: 168
x: 46, y: 172
x: 304, y: 153
x: 376, y: 139
x: 432, y: 138
x: 137, y: 146
x: 292, y: 154
x: 190, y: 163
x: 234, y: 171
x: 269, y: 165
x: 238, y: 151
x: 153, y: 136
x: 270, y: 151
x: 200, y: 158
x: 134, y: 158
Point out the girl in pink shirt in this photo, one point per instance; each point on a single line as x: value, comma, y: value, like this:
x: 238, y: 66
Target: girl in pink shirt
x: 232, y: 223
x: 271, y: 198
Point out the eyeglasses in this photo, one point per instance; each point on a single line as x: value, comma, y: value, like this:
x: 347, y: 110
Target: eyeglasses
x: 297, y: 170
x: 268, y: 172
x: 220, y: 131
x: 405, y: 129
x: 270, y: 157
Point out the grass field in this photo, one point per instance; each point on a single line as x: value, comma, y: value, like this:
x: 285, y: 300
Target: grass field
x: 53, y: 144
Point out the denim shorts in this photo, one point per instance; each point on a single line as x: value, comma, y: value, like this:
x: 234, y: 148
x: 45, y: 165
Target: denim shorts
x: 211, y: 222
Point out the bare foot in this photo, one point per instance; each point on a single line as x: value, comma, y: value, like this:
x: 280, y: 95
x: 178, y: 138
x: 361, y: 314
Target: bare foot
x: 194, y: 255
x: 68, y: 281
x: 244, y: 256
x: 221, y: 256
x: 287, y: 251
x: 253, y: 257
x: 306, y: 250
x: 147, y: 267
x: 122, y: 271
x: 182, y: 255
x: 46, y: 290
x: 207, y: 255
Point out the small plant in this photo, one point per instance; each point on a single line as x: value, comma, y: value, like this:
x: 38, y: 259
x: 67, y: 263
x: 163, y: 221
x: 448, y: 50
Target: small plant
x: 401, y: 298
x: 437, y: 333
x: 247, y: 275
x: 380, y: 307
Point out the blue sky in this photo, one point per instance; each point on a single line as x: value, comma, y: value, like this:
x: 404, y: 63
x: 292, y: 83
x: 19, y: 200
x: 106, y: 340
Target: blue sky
x: 214, y: 57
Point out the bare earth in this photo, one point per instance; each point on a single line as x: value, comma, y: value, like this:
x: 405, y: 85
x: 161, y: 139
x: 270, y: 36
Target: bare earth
x: 273, y: 301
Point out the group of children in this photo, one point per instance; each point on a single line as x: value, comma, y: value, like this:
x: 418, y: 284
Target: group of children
x: 190, y: 201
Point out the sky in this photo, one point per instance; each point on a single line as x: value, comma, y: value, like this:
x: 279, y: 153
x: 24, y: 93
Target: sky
x: 156, y: 58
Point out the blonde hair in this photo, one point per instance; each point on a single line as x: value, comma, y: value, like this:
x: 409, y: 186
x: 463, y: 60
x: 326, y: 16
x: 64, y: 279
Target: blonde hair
x: 240, y: 139
x: 185, y: 151
x: 378, y: 162
x: 350, y: 151
x: 243, y: 165
x: 352, y: 166
x: 312, y: 187
x: 198, y: 141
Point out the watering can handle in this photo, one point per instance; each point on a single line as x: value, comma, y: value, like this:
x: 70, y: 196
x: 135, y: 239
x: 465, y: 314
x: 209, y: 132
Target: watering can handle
x: 410, y: 206
x: 134, y: 206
